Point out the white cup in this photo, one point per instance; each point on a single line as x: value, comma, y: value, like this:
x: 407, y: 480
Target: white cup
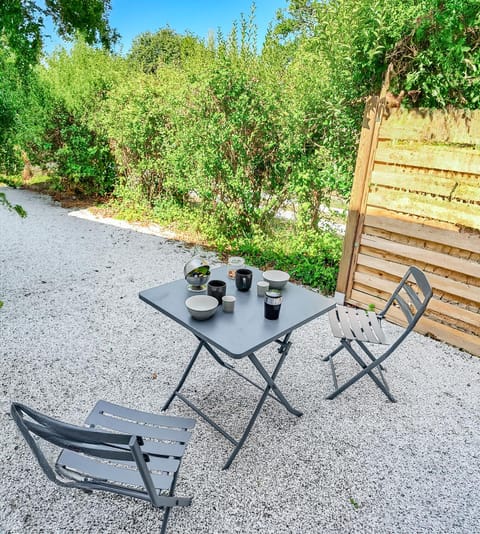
x: 262, y: 288
x: 228, y: 303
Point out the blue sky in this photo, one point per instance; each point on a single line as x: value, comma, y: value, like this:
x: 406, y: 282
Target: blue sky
x: 200, y: 17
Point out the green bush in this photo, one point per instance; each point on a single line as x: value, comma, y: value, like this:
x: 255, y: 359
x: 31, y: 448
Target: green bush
x: 141, y: 119
x: 310, y: 257
x: 76, y: 83
x: 229, y: 148
x: 84, y: 161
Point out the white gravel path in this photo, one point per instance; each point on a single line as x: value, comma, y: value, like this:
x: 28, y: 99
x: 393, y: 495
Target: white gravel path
x: 73, y: 330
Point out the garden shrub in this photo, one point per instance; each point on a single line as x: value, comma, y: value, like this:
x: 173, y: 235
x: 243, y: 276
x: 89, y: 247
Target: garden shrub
x: 85, y: 163
x: 311, y: 257
x: 141, y: 119
x: 230, y: 148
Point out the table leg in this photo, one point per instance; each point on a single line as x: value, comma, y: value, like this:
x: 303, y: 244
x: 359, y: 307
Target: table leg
x: 217, y: 357
x: 270, y: 380
x: 184, y: 376
x: 270, y: 385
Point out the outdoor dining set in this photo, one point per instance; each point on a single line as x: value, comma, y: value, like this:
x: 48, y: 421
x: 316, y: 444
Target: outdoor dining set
x: 233, y: 311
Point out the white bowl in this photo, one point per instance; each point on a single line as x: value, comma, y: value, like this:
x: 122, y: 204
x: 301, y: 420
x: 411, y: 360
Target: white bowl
x: 276, y: 279
x: 201, y: 307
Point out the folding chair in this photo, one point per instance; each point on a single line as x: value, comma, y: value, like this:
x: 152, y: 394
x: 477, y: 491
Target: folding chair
x: 350, y: 324
x: 124, y: 451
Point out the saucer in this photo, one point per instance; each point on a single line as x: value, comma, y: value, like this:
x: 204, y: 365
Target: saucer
x: 196, y: 289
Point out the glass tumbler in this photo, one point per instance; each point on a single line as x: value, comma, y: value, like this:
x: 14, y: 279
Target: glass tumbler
x: 234, y: 263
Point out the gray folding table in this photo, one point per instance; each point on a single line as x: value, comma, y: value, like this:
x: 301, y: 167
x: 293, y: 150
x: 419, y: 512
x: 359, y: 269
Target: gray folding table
x: 239, y: 334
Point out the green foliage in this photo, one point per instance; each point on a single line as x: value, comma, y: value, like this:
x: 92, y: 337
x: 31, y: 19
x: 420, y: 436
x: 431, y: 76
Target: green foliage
x: 22, y: 23
x: 82, y: 78
x: 88, y: 19
x: 12, y: 207
x: 432, y: 44
x: 354, y: 503
x: 22, y: 109
x: 230, y: 145
x: 4, y: 180
x: 20, y: 30
x: 10, y: 105
x: 218, y: 138
x: 310, y: 256
x: 84, y: 161
x: 150, y: 51
x: 140, y: 117
x: 76, y: 83
x: 439, y: 58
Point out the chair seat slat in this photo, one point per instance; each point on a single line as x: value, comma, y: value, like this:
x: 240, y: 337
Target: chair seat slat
x: 335, y: 323
x: 156, y: 463
x: 159, y: 448
x: 368, y: 322
x: 113, y: 473
x: 377, y: 328
x: 345, y: 323
x: 136, y: 429
x: 145, y: 417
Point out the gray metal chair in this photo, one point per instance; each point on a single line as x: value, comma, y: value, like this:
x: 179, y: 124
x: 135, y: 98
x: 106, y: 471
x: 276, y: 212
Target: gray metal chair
x: 411, y: 296
x: 120, y: 450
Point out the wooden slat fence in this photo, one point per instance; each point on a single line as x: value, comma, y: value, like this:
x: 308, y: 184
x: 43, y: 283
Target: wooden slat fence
x: 416, y: 201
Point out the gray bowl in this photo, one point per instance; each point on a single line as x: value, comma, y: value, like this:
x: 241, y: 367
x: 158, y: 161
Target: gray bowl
x: 276, y: 279
x: 201, y: 307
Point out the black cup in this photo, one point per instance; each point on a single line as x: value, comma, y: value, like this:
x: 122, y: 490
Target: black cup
x: 273, y: 301
x: 243, y: 279
x: 217, y: 289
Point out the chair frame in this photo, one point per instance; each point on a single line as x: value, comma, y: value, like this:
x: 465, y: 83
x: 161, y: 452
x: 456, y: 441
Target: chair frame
x: 418, y: 303
x: 117, y: 447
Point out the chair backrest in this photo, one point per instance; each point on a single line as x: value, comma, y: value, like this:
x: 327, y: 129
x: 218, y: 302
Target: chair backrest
x: 412, y: 296
x: 91, y: 442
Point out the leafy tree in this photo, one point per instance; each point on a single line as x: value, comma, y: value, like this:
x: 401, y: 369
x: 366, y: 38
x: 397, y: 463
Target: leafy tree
x: 150, y: 50
x: 21, y: 40
x: 22, y: 24
x: 434, y: 46
x: 77, y: 82
x: 89, y: 19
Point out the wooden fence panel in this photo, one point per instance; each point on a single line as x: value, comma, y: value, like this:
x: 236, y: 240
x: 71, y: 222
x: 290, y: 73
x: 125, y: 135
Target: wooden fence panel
x: 420, y: 205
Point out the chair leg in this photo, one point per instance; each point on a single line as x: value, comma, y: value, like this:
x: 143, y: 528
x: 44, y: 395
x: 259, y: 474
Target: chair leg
x: 366, y: 369
x: 166, y: 514
x: 369, y: 354
x: 332, y: 354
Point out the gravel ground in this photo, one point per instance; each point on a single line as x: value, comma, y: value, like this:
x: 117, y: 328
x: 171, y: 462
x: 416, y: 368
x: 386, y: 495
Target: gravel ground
x: 73, y: 330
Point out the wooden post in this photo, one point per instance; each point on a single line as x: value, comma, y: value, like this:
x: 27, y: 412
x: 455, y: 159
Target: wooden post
x: 372, y: 119
x: 358, y: 193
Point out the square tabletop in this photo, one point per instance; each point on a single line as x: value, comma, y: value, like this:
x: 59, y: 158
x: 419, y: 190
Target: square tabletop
x: 245, y: 330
